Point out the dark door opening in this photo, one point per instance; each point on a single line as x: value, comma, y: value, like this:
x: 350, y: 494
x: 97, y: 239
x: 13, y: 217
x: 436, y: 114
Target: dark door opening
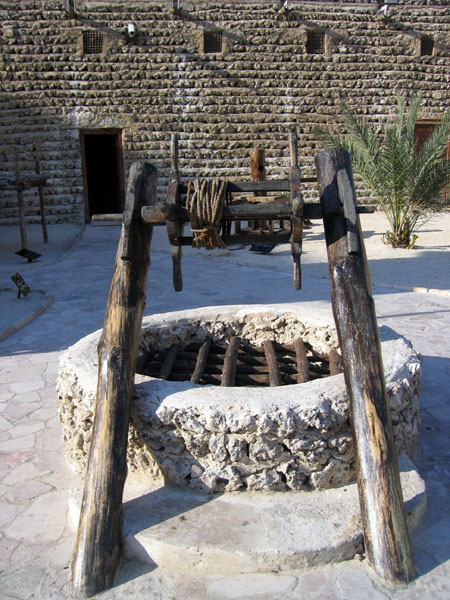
x: 101, y: 152
x: 422, y: 130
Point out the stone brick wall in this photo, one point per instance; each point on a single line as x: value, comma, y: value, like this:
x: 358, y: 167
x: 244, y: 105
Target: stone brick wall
x: 261, y: 86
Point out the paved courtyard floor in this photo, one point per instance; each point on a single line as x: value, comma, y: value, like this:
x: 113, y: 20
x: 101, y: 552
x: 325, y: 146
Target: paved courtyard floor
x: 412, y: 296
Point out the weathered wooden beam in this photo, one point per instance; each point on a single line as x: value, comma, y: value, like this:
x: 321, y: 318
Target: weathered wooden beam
x: 201, y: 361
x: 272, y: 363
x: 247, y: 238
x: 158, y: 214
x: 297, y: 212
x: 382, y: 508
x: 107, y: 217
x: 40, y: 187
x: 230, y: 362
x: 167, y: 366
x: 302, y: 361
x: 21, y: 203
x: 258, y: 174
x: 97, y: 544
x: 257, y: 187
x: 175, y: 228
x: 335, y: 362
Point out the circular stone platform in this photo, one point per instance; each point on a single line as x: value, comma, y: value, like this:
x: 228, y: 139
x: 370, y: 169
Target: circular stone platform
x: 209, y: 438
x: 248, y: 532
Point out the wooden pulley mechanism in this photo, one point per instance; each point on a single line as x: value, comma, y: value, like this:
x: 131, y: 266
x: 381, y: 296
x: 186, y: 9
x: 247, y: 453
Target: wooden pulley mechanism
x: 224, y: 203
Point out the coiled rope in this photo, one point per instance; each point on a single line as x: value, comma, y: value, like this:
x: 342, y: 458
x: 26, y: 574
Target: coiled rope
x: 205, y: 209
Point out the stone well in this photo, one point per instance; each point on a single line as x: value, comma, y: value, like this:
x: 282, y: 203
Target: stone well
x: 214, y: 439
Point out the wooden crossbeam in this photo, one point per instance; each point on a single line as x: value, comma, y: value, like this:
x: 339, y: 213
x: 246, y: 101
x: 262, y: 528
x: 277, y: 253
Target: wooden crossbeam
x: 162, y: 212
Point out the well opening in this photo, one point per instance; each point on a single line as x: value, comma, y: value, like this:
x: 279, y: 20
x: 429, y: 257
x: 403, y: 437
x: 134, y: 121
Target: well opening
x: 238, y: 362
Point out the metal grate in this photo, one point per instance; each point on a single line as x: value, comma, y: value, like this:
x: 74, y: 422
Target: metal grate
x: 315, y: 42
x: 426, y: 45
x: 212, y: 42
x: 239, y: 363
x: 92, y: 42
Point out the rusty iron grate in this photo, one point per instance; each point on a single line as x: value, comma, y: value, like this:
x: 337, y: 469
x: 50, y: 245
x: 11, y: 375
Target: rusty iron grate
x: 239, y: 363
x: 212, y: 42
x: 315, y: 42
x: 92, y: 42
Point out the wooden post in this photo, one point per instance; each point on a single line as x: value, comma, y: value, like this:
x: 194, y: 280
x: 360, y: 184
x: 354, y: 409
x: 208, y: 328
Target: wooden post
x: 258, y: 173
x: 382, y: 508
x: 175, y: 228
x: 22, y: 221
x: 41, y: 202
x: 97, y: 545
x: 297, y: 212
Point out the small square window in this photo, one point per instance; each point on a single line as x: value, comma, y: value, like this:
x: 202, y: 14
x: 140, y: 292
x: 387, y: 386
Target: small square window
x: 212, y: 42
x: 426, y: 45
x: 92, y: 42
x: 315, y: 42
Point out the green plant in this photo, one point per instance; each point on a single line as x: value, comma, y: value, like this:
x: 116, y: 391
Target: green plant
x: 407, y: 182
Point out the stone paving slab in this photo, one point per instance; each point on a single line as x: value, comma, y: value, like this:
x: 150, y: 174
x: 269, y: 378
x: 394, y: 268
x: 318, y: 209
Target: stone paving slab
x: 36, y: 543
x: 255, y: 532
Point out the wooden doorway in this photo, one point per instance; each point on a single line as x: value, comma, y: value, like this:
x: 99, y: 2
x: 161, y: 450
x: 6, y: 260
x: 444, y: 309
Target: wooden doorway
x: 102, y: 161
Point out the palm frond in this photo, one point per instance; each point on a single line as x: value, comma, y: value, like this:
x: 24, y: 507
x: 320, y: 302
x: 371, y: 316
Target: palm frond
x: 407, y: 183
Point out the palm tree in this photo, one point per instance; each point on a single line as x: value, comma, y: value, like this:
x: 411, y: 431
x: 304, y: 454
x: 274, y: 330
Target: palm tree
x: 406, y: 181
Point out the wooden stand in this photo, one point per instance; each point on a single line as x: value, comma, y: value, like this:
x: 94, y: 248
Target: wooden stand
x: 24, y: 183
x: 384, y: 521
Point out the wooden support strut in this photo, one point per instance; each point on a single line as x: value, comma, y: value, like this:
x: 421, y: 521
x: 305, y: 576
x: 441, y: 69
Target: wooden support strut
x: 297, y: 212
x: 175, y: 227
x: 41, y: 201
x: 96, y: 548
x: 382, y: 508
x: 258, y: 173
x: 21, y: 203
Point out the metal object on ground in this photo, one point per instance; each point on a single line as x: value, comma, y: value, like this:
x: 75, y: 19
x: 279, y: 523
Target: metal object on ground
x: 23, y: 288
x: 28, y: 254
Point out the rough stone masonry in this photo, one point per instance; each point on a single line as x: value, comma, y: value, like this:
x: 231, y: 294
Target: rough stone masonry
x: 227, y: 76
x: 209, y: 438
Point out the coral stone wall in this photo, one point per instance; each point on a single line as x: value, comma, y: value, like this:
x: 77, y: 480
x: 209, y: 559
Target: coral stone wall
x: 263, y: 83
x: 211, y: 438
